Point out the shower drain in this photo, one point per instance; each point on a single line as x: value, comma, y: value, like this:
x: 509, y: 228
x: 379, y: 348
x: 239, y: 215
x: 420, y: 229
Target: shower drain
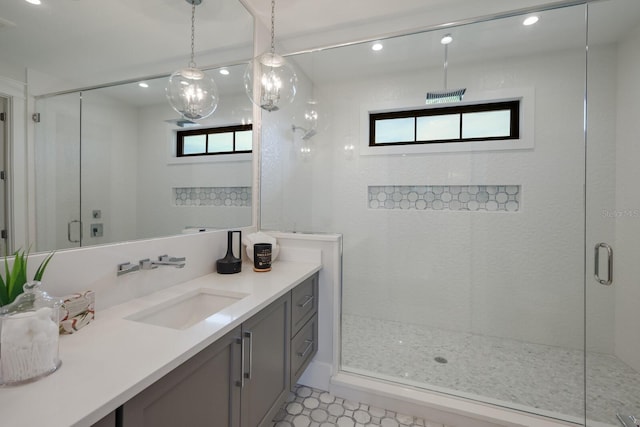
x: 440, y: 359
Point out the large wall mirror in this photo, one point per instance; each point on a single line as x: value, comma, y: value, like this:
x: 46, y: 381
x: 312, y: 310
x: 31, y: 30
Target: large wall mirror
x: 107, y: 169
x: 104, y: 160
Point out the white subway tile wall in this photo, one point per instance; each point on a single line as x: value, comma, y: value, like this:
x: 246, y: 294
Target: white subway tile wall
x: 212, y: 196
x: 490, y: 198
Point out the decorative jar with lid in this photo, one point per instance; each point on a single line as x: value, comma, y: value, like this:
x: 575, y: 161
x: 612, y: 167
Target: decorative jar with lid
x: 29, y: 336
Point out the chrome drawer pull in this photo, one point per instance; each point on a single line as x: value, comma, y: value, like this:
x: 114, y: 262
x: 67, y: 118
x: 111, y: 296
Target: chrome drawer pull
x: 307, y: 349
x: 241, y: 342
x: 306, y: 302
x: 249, y: 335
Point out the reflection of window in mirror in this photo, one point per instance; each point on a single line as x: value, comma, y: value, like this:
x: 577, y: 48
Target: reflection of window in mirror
x: 214, y: 141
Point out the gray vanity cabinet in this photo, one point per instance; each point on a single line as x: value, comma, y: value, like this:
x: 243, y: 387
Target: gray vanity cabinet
x: 304, y: 326
x: 241, y: 379
x: 108, y: 421
x: 266, y: 363
x: 201, y: 392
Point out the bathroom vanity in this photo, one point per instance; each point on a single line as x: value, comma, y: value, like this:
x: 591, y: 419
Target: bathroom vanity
x: 233, y: 368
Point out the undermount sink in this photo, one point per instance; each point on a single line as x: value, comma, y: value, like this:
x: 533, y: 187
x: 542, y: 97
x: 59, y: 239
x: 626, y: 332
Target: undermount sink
x: 188, y: 309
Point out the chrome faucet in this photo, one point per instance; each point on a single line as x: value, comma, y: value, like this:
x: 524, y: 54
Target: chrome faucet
x: 147, y: 264
x: 628, y: 420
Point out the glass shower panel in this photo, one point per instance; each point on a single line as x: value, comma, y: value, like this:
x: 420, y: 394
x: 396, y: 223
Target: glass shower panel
x: 613, y: 214
x: 523, y: 346
x: 57, y: 173
x: 463, y: 271
x: 111, y: 126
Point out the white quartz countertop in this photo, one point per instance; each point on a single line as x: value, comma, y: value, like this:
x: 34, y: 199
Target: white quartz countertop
x: 112, y: 359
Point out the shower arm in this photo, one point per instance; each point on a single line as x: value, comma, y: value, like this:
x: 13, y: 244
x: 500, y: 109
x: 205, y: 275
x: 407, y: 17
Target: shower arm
x: 446, y: 64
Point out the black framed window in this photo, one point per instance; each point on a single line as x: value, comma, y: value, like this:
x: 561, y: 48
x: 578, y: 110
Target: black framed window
x: 214, y: 141
x: 458, y: 123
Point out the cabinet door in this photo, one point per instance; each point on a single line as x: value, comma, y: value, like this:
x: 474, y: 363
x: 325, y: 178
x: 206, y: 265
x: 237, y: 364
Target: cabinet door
x: 266, y: 363
x: 200, y: 392
x: 107, y: 421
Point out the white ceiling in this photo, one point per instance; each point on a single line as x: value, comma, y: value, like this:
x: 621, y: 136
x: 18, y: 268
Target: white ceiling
x: 97, y: 41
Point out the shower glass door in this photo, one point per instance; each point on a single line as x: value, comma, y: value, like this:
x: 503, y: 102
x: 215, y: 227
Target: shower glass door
x: 57, y: 173
x: 613, y: 214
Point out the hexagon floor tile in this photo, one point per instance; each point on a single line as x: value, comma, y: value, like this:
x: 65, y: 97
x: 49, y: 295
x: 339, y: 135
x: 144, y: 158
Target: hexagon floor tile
x: 308, y: 407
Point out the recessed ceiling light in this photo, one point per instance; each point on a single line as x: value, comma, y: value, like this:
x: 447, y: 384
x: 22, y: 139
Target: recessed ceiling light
x: 446, y: 39
x: 530, y: 20
x: 143, y: 84
x: 224, y: 71
x: 34, y: 1
x: 377, y: 46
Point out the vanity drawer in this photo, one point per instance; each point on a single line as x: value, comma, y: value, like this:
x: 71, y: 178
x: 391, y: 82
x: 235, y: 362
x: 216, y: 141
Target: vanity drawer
x: 304, y: 303
x: 303, y: 347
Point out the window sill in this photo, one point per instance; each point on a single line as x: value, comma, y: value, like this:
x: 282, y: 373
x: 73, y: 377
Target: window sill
x: 241, y: 157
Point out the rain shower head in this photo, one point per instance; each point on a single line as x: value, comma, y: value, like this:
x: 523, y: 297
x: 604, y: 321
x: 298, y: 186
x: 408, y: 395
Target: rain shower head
x: 307, y: 134
x: 444, y: 96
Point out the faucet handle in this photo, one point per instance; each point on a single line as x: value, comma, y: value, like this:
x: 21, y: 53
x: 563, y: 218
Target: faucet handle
x: 127, y: 267
x: 146, y: 264
x: 167, y: 258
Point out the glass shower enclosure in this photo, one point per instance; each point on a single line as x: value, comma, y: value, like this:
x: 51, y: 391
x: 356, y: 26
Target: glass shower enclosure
x: 497, y: 271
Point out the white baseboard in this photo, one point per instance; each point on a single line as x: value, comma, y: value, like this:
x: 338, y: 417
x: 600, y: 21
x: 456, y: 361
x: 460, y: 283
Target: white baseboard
x: 317, y: 375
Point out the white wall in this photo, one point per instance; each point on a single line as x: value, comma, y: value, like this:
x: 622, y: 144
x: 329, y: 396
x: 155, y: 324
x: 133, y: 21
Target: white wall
x: 627, y: 207
x: 516, y: 275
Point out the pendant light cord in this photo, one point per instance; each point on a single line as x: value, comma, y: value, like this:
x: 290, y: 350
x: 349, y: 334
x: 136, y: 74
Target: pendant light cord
x: 192, y: 63
x: 273, y: 26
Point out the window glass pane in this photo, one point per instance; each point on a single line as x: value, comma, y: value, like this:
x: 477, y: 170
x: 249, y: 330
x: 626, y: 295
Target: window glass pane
x: 433, y: 128
x: 394, y: 130
x: 194, y: 144
x: 243, y: 140
x: 486, y: 124
x: 220, y: 142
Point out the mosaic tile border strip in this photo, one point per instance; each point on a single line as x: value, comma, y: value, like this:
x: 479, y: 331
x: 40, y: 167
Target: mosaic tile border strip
x: 473, y: 198
x: 212, y: 196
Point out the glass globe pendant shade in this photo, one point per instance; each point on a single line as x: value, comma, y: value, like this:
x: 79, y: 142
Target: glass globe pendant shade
x: 308, y: 118
x: 270, y: 81
x: 192, y: 93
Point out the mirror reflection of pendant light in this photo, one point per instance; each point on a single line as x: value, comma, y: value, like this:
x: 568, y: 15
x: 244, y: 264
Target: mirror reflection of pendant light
x: 276, y: 81
x: 446, y: 95
x: 307, y: 120
x: 190, y: 91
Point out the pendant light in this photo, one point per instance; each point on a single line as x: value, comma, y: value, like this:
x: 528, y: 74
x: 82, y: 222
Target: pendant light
x: 275, y: 81
x: 190, y: 91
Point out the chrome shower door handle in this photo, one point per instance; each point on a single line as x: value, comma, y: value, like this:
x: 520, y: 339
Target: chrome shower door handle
x: 69, y: 230
x: 609, y: 279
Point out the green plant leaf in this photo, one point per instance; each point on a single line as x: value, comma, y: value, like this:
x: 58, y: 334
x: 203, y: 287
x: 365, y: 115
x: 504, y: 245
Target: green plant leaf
x: 18, y: 276
x: 42, y: 267
x: 4, y: 296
